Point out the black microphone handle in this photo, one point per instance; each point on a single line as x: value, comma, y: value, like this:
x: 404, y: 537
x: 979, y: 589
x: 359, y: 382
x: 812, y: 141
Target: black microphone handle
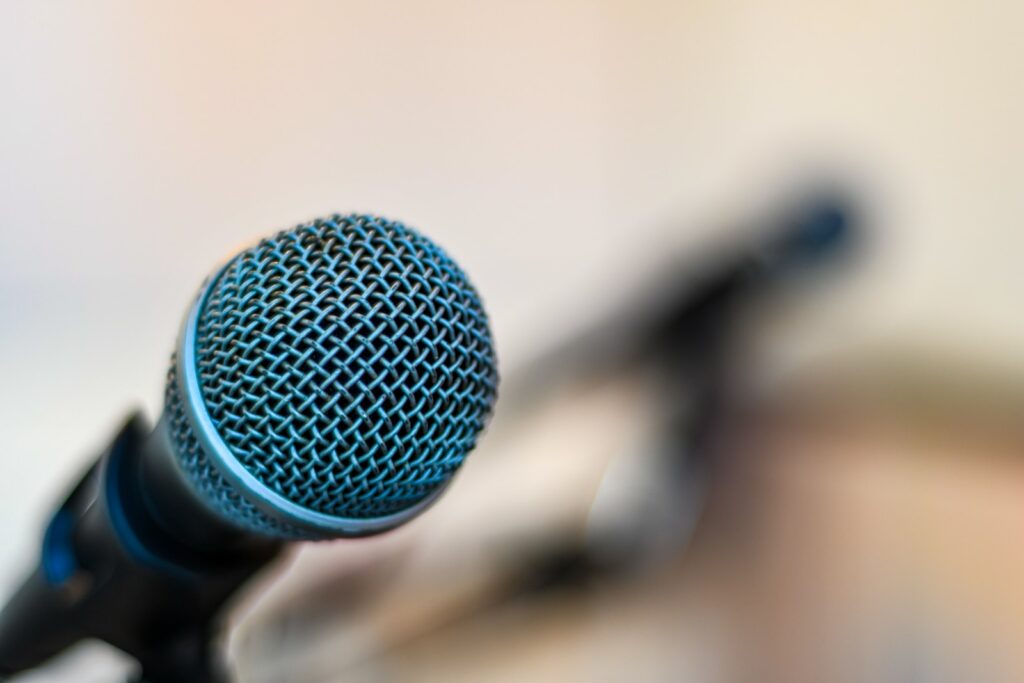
x: 170, y: 514
x: 114, y: 567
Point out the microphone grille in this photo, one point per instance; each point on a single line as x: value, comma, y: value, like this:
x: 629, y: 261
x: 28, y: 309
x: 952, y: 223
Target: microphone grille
x: 347, y: 365
x: 208, y: 481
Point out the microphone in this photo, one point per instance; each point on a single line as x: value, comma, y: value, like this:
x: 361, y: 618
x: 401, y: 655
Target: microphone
x: 328, y: 382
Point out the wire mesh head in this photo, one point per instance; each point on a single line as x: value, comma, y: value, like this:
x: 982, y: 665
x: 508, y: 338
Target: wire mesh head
x: 346, y: 364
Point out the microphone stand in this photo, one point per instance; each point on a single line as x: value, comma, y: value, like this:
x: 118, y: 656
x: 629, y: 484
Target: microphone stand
x: 108, y: 574
x: 684, y: 336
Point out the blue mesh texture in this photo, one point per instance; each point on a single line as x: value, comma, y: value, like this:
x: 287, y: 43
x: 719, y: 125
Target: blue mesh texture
x: 347, y: 364
x: 207, y: 479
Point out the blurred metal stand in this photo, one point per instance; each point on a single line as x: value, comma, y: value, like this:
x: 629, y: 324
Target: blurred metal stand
x: 682, y: 334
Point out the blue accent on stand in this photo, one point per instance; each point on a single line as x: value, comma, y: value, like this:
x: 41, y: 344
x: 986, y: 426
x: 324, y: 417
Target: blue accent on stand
x: 822, y: 228
x: 59, y: 562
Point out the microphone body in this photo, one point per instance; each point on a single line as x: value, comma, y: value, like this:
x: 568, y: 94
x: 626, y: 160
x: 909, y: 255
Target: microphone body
x: 112, y: 570
x: 327, y: 382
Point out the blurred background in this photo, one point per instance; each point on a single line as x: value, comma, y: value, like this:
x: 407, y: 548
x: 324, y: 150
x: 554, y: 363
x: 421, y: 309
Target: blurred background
x: 715, y: 458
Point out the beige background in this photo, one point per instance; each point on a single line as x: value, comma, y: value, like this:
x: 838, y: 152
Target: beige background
x: 554, y: 148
